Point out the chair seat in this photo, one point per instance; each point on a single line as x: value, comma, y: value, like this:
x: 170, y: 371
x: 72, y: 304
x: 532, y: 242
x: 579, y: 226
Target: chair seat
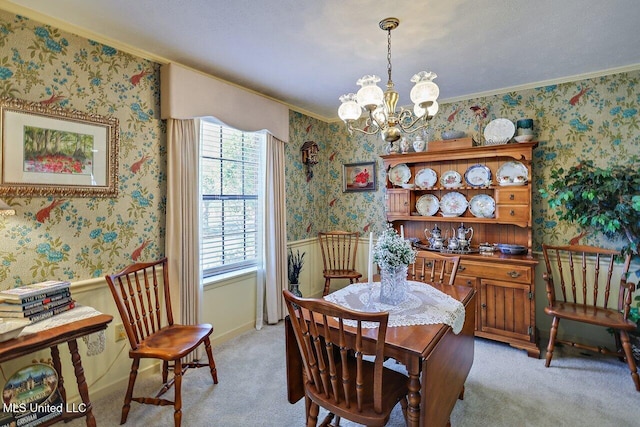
x: 394, y: 389
x: 342, y: 274
x: 594, y: 315
x: 172, y: 342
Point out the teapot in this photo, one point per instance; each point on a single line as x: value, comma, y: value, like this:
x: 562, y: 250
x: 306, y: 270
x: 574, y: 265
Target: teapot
x: 462, y: 232
x: 434, y: 237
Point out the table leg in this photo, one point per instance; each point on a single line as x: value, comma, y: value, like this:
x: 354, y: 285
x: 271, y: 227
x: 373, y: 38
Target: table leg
x: 82, y: 383
x: 413, y: 409
x: 57, y: 365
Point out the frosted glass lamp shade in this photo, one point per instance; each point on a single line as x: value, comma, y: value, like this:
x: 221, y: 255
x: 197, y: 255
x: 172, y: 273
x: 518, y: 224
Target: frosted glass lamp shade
x: 349, y: 109
x: 370, y: 95
x: 425, y: 89
x: 432, y: 109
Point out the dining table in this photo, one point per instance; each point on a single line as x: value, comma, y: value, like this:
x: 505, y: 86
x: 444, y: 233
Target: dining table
x: 435, y: 344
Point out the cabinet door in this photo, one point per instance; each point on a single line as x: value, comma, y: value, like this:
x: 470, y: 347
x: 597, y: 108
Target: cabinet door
x: 470, y: 282
x: 505, y: 309
x: 397, y: 202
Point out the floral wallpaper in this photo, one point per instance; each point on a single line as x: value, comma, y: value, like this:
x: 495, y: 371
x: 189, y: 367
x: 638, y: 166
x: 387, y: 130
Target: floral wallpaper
x: 595, y: 118
x: 79, y: 238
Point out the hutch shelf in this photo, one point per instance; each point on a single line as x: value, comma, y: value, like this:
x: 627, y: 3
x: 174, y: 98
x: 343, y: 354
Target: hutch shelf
x: 504, y: 283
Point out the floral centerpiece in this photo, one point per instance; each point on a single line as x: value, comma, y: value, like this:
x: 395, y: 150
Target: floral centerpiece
x: 393, y: 254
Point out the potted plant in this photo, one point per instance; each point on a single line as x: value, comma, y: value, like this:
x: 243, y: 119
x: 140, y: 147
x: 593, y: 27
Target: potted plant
x: 295, y: 263
x: 606, y: 200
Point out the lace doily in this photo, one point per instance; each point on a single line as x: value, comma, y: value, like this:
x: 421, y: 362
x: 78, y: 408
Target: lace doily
x: 95, y: 342
x: 425, y: 305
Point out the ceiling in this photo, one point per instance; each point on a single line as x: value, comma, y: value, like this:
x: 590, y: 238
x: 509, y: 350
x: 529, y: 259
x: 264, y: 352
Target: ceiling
x: 308, y: 53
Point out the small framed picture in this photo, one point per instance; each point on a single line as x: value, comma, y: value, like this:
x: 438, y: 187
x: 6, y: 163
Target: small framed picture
x: 359, y: 177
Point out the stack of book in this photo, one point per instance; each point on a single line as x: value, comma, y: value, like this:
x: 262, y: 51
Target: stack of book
x: 36, y: 302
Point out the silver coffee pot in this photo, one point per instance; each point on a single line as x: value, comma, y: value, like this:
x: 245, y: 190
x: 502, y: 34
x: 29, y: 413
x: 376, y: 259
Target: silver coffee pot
x: 434, y: 237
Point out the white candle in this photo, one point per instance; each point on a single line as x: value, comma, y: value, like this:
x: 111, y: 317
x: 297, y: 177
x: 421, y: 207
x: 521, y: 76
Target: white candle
x: 402, y: 231
x: 370, y: 261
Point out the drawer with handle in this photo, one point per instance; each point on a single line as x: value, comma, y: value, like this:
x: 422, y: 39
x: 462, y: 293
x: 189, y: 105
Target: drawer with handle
x: 513, y: 273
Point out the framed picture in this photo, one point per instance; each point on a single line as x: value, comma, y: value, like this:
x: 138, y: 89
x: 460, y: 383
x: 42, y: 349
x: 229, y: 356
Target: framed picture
x: 359, y: 177
x: 48, y: 151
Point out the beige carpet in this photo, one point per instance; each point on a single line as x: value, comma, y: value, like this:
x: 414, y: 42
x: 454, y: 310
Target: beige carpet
x: 504, y: 388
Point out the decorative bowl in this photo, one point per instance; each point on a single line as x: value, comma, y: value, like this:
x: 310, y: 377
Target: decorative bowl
x: 523, y: 138
x: 512, y: 249
x: 453, y: 134
x: 408, y: 186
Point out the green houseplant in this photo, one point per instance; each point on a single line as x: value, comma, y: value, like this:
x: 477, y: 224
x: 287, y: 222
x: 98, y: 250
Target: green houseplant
x: 294, y: 267
x: 606, y: 200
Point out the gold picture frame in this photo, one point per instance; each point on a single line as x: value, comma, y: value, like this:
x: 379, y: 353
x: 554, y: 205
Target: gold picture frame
x: 51, y: 151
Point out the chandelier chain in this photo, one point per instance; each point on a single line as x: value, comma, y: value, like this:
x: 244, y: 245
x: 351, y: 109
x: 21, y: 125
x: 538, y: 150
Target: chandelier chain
x: 389, y: 54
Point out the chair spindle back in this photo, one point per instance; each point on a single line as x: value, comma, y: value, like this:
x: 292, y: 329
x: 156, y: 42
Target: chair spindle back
x: 569, y: 270
x: 432, y: 267
x: 141, y: 293
x: 333, y: 360
x: 339, y: 249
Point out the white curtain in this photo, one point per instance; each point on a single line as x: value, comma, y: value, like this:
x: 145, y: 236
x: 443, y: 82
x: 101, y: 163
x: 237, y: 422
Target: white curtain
x: 182, y: 242
x: 272, y: 277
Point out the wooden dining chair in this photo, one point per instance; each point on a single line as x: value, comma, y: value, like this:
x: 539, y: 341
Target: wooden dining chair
x: 579, y: 285
x: 339, y: 250
x: 337, y: 375
x: 141, y: 293
x: 434, y: 267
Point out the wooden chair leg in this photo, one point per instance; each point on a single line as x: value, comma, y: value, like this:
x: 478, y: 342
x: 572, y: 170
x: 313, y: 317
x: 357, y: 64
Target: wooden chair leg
x: 177, y: 402
x: 212, y: 363
x: 165, y: 371
x: 552, y: 340
x: 626, y: 345
x: 127, y: 397
x: 312, y: 420
x: 327, y: 283
x: 404, y: 404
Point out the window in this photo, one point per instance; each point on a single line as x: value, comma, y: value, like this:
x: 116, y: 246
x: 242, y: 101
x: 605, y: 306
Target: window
x: 231, y: 206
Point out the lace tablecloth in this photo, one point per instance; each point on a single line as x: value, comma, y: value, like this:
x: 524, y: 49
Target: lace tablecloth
x: 95, y: 342
x: 425, y: 305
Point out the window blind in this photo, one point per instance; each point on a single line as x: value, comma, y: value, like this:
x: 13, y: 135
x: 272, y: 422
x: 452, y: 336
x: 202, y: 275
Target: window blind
x: 230, y: 167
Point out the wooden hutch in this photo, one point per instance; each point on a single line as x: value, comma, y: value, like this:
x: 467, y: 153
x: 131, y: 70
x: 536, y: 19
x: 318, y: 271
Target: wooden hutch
x: 504, y: 283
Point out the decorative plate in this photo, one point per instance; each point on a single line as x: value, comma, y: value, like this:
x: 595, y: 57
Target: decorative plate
x: 450, y: 179
x: 499, y: 131
x: 426, y: 178
x: 478, y: 176
x: 482, y: 206
x: 399, y: 174
x: 427, y: 205
x: 512, y: 173
x: 453, y: 204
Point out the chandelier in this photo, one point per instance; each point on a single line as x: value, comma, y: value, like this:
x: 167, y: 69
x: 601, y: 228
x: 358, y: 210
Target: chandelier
x: 381, y: 106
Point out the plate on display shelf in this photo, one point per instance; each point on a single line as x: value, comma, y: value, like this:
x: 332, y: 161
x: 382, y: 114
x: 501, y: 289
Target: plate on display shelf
x: 427, y: 205
x: 478, y: 176
x: 453, y: 204
x: 399, y: 174
x: 512, y: 173
x: 482, y: 206
x: 499, y: 131
x: 451, y: 179
x: 426, y: 178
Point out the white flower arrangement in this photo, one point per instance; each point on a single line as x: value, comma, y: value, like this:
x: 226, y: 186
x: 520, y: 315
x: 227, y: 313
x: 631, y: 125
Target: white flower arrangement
x: 392, y: 251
